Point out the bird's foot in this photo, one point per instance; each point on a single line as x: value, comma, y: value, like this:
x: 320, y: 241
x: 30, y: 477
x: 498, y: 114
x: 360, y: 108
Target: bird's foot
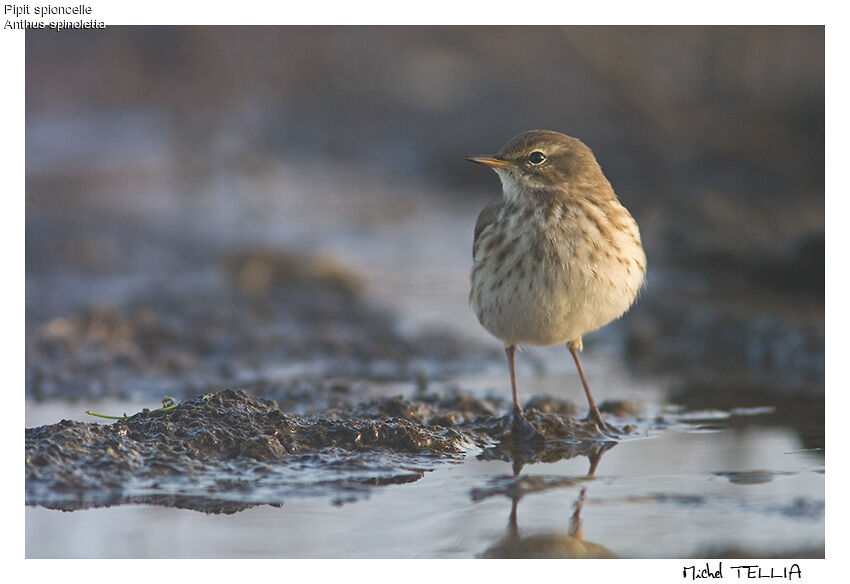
x: 604, y: 427
x: 522, y: 428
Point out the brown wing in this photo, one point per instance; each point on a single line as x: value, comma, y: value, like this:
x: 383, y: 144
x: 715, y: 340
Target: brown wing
x: 487, y: 216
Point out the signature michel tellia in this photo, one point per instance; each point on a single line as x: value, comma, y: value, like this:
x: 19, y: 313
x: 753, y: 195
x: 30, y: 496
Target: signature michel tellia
x: 742, y: 572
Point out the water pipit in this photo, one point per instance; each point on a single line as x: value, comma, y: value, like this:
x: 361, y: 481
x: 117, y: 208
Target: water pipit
x: 558, y: 256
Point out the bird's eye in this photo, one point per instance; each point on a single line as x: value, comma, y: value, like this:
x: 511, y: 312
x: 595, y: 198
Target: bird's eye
x: 536, y: 157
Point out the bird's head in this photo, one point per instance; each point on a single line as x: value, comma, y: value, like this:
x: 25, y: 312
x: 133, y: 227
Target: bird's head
x: 541, y: 164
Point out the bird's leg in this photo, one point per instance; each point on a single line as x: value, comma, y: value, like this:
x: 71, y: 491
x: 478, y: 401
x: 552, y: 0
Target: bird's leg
x: 593, y: 414
x: 520, y: 425
x: 509, y: 351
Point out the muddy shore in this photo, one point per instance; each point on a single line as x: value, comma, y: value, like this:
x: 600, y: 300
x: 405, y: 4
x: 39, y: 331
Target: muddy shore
x: 227, y: 451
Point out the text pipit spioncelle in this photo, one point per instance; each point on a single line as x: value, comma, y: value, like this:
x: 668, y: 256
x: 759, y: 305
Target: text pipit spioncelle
x: 557, y: 257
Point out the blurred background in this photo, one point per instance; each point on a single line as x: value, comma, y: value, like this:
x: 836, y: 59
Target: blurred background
x: 152, y: 149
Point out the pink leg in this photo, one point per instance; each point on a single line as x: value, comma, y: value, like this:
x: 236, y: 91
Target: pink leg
x: 520, y: 424
x: 575, y: 347
x: 509, y: 351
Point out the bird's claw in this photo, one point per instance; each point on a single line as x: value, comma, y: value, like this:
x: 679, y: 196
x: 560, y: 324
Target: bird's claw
x: 522, y: 428
x: 604, y: 427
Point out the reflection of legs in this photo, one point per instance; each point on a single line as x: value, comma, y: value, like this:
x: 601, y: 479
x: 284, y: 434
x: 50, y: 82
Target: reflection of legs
x: 597, y: 456
x: 594, y: 462
x: 575, y: 521
x: 513, y: 529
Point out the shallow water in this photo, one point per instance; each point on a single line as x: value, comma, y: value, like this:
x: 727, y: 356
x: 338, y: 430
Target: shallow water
x: 708, y: 483
x: 670, y: 508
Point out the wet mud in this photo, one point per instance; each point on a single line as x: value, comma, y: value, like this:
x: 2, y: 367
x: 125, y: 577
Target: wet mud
x: 227, y: 451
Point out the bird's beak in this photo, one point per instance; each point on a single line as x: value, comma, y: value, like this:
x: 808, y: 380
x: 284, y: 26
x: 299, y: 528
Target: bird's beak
x: 489, y: 161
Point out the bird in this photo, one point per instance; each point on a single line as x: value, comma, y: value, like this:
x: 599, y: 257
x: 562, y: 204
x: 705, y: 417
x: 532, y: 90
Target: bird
x: 557, y: 257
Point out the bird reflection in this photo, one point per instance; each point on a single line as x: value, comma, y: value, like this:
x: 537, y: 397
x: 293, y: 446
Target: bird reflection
x: 547, y: 545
